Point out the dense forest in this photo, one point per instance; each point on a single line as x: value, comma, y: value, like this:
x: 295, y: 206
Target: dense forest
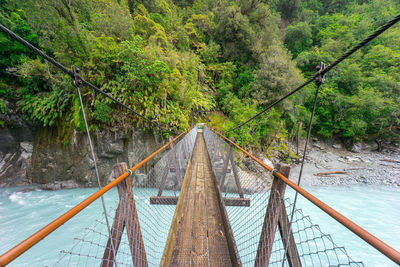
x: 166, y: 58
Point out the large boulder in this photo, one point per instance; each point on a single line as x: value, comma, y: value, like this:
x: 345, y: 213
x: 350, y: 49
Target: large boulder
x: 358, y: 147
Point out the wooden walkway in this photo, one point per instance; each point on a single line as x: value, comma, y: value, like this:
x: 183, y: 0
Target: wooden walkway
x: 202, y: 238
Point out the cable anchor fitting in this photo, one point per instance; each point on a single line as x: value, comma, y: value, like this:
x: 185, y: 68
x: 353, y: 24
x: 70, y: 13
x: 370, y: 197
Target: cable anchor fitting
x: 76, y: 79
x: 320, y: 77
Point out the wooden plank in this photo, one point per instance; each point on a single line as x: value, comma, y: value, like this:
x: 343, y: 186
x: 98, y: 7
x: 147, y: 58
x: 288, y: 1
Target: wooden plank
x: 172, y: 200
x: 163, y: 200
x: 171, y: 240
x: 199, y: 247
x: 233, y: 201
x: 201, y: 238
x: 182, y: 249
x: 133, y: 231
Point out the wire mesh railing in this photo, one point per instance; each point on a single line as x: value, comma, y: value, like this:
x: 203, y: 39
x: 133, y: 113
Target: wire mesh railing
x: 142, y: 213
x: 134, y: 244
x: 304, y: 242
x: 315, y: 248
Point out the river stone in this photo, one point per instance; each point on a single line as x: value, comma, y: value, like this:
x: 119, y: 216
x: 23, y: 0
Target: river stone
x: 358, y: 147
x: 27, y: 146
x: 57, y: 185
x: 337, y: 146
x: 268, y: 162
x: 318, y: 145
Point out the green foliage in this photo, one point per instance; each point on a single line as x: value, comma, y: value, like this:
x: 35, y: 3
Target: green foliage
x: 298, y: 37
x: 102, y: 111
x: 359, y: 100
x: 13, y: 53
x: 285, y: 153
x: 46, y: 108
x: 3, y: 106
x: 166, y: 58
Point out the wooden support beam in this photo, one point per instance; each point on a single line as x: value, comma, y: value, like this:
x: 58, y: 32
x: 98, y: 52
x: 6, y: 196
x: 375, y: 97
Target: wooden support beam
x: 292, y: 254
x: 236, y: 176
x: 164, y: 176
x: 184, y: 149
x: 229, y: 158
x: 172, y: 200
x: 225, y: 167
x: 125, y: 216
x: 271, y: 220
x: 116, y: 234
x: 214, y: 148
x: 177, y: 167
x: 237, y: 202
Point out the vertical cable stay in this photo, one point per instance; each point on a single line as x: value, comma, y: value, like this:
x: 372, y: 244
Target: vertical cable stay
x: 319, y: 81
x: 76, y: 84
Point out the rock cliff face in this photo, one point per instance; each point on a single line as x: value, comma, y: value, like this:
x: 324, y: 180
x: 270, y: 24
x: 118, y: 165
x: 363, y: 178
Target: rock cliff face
x: 29, y: 155
x: 16, y: 146
x: 55, y: 163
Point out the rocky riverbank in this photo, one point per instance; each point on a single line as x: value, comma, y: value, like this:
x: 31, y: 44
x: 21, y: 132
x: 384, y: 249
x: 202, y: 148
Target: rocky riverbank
x: 362, y: 165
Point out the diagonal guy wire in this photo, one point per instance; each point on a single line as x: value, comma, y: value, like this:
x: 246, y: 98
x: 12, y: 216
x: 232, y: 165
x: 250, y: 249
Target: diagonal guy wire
x: 96, y: 170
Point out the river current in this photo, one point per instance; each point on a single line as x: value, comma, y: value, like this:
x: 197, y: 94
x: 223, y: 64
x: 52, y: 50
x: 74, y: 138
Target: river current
x: 377, y: 209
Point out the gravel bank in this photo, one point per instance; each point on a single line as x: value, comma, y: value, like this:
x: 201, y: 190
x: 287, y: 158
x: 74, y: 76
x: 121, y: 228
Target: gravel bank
x: 365, y: 167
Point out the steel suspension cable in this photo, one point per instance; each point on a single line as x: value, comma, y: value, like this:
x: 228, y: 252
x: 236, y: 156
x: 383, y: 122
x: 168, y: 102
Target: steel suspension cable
x: 302, y: 166
x: 96, y: 171
x: 361, y: 44
x: 71, y: 73
x: 272, y: 104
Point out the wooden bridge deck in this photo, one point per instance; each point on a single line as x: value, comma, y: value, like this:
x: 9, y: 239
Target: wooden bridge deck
x: 201, y: 238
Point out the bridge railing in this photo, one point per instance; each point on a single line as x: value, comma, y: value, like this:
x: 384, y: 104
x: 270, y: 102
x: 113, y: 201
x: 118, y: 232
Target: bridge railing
x: 124, y: 241
x: 261, y: 230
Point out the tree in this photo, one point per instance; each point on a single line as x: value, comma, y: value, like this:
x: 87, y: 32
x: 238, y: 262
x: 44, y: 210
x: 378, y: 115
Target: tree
x: 298, y: 37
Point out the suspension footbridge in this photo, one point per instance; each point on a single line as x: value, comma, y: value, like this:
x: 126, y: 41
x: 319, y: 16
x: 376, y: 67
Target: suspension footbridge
x: 205, y: 201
